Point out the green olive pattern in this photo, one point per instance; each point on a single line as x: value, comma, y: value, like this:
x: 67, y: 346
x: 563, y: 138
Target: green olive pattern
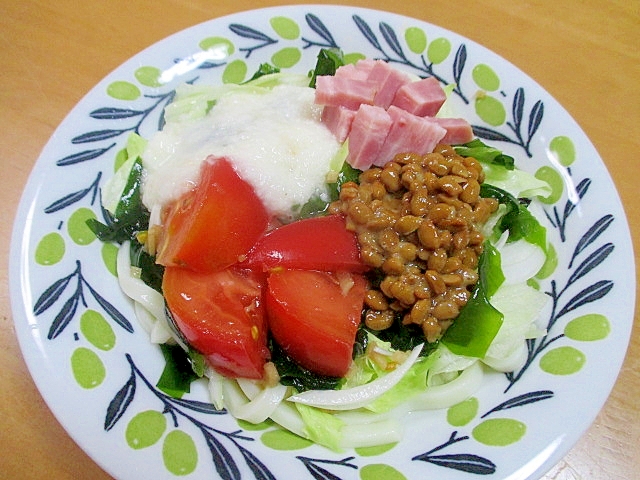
x: 50, y: 249
x: 286, y: 39
x: 145, y: 429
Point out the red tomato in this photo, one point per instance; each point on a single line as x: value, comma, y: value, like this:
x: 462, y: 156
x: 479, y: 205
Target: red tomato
x: 313, y: 320
x: 209, y: 227
x: 319, y: 243
x: 221, y: 314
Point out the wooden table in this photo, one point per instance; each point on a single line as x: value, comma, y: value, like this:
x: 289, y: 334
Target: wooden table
x: 584, y: 52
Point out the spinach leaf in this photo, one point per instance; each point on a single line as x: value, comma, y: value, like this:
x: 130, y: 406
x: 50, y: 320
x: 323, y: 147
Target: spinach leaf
x: 518, y: 220
x: 329, y: 60
x: 181, y: 368
x: 264, y: 69
x: 402, y: 337
x: 316, y: 206
x: 130, y: 216
x: 151, y: 272
x: 347, y: 174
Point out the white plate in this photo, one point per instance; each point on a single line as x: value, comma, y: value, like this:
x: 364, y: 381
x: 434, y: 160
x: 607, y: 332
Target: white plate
x: 96, y: 369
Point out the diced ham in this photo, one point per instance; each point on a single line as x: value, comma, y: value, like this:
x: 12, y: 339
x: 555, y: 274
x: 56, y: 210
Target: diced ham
x: 459, y: 131
x: 389, y: 80
x: 365, y: 65
x: 383, y: 112
x: 409, y: 133
x: 422, y: 98
x: 344, y: 91
x: 351, y: 71
x: 368, y: 133
x: 338, y: 120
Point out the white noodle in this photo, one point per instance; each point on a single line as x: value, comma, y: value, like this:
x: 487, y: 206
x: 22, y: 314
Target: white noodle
x: 449, y: 394
x: 135, y: 288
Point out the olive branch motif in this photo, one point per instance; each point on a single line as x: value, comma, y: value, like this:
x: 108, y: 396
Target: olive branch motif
x: 323, y: 32
x: 589, y: 294
x: 469, y: 462
x: 177, y: 408
x: 517, y: 124
x: 319, y: 473
x: 54, y: 292
x: 94, y: 136
x: 114, y: 113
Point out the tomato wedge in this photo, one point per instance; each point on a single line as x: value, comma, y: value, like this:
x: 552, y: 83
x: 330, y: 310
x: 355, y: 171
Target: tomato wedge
x: 313, y: 320
x: 221, y: 314
x: 318, y: 243
x: 209, y: 227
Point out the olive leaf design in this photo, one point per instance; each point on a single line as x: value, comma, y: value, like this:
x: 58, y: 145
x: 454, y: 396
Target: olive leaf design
x: 464, y: 462
x: 114, y: 114
x: 559, y: 220
x: 76, y: 196
x: 180, y: 410
x: 469, y: 462
x: 592, y: 234
x: 520, y: 400
x: 313, y: 466
x: 516, y: 125
x: 262, y: 39
x: 323, y: 32
x: 54, y: 292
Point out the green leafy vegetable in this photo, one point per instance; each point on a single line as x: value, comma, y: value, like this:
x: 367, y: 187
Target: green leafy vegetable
x: 181, y: 368
x: 401, y: 337
x: 500, y: 171
x: 321, y: 427
x: 150, y: 272
x: 518, y: 220
x: 346, y: 174
x: 329, y: 60
x: 264, y: 69
x: 413, y: 382
x: 130, y: 216
x: 316, y: 206
x: 485, y: 154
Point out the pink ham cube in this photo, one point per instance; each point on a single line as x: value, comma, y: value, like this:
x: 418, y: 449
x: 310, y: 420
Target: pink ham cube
x: 338, y: 120
x: 351, y: 71
x: 389, y: 80
x: 368, y: 133
x: 422, y: 98
x: 344, y: 91
x: 459, y: 131
x: 409, y: 134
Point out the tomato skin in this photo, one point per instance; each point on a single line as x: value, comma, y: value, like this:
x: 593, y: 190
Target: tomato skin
x: 318, y: 243
x: 222, y: 315
x: 312, y: 320
x: 209, y: 227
